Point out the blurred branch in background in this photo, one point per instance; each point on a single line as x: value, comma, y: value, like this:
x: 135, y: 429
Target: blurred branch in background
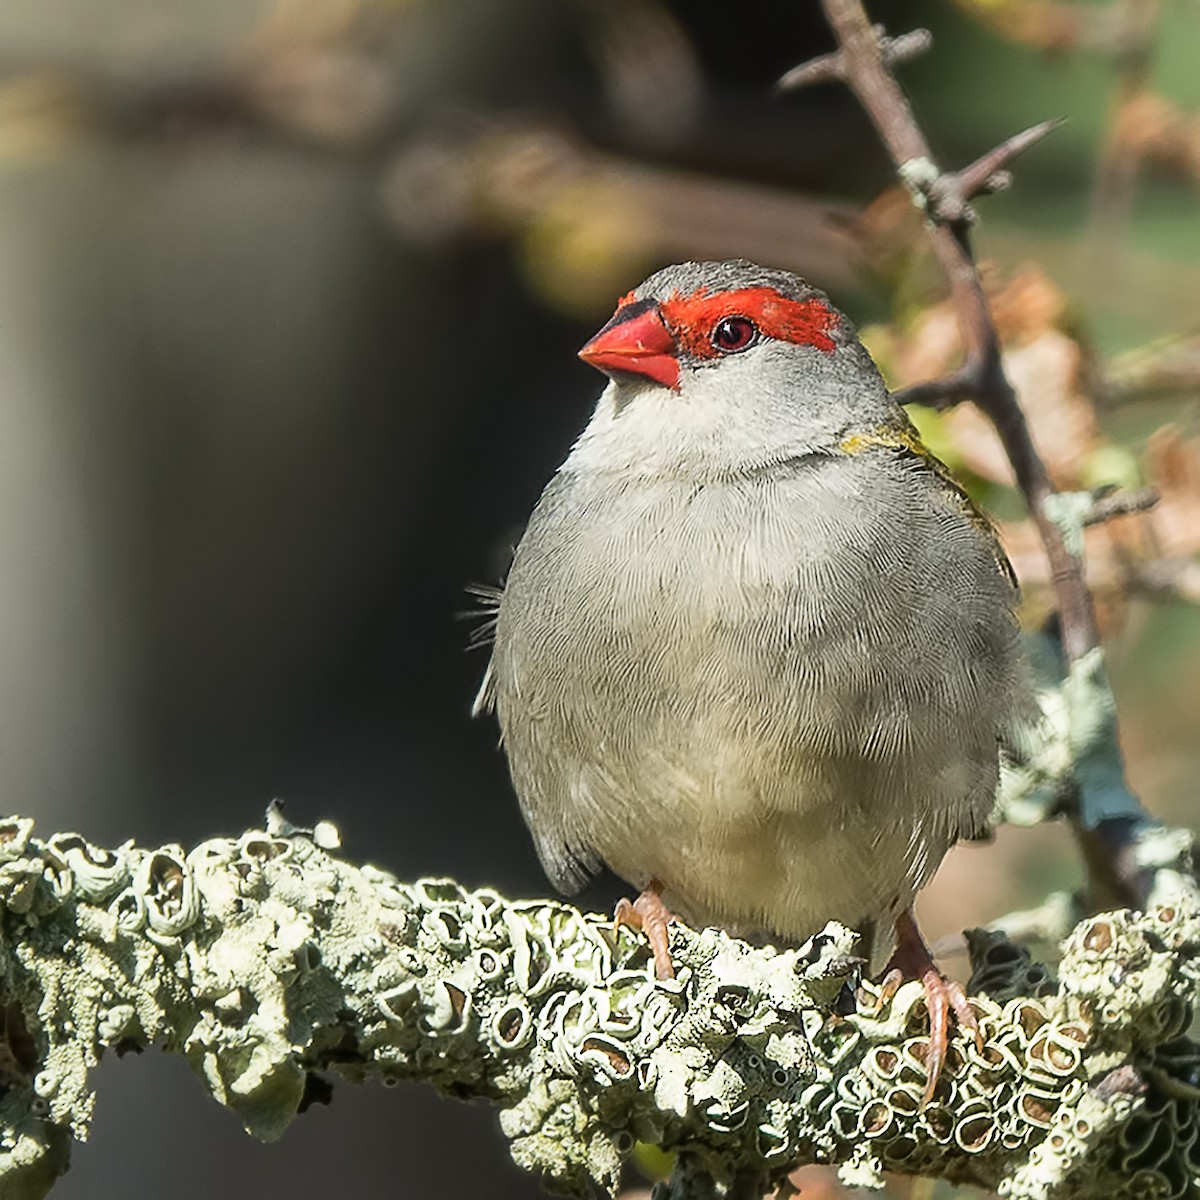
x: 1169, y: 367
x: 584, y: 222
x: 1116, y: 27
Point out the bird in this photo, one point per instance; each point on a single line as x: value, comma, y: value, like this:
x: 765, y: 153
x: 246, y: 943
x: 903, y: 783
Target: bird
x: 757, y: 650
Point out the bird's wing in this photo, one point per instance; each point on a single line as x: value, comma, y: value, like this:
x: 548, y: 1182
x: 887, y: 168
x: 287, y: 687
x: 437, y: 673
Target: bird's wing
x: 902, y: 437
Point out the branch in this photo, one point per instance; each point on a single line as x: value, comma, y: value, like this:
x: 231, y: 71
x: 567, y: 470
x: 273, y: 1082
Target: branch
x: 1108, y: 504
x: 1167, y: 367
x: 988, y: 174
x: 829, y: 67
x: 265, y: 960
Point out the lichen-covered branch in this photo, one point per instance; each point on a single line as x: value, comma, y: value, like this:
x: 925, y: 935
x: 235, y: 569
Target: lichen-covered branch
x: 265, y: 960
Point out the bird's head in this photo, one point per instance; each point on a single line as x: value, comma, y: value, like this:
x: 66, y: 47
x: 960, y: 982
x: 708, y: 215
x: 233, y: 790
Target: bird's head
x: 726, y: 366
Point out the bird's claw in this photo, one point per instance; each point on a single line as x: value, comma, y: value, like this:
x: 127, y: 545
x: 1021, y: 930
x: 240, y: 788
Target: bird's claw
x: 912, y: 960
x: 650, y: 916
x: 943, y: 996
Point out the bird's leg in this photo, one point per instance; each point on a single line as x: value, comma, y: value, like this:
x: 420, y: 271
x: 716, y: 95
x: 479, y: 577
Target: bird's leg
x: 651, y: 916
x: 912, y: 960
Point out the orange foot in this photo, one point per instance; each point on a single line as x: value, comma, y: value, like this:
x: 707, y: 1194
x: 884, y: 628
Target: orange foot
x: 912, y: 960
x: 651, y: 916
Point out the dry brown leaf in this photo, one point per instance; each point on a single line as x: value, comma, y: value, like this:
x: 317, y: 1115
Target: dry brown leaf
x: 1029, y: 304
x: 1173, y: 466
x: 1050, y: 370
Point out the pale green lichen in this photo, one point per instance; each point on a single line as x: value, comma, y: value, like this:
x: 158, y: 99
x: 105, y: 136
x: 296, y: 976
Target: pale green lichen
x: 919, y: 175
x: 1070, y: 511
x: 1072, y: 759
x: 263, y: 959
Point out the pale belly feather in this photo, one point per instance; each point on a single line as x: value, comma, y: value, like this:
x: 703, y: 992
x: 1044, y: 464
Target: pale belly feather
x: 752, y: 692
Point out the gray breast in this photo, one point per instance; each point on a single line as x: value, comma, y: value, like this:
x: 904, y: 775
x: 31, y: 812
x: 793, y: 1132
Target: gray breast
x: 699, y: 682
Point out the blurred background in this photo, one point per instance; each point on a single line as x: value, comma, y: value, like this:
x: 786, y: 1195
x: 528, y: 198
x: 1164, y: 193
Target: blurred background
x: 290, y: 293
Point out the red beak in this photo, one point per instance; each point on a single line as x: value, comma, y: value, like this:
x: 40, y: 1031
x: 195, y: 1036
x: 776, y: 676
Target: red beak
x: 635, y: 342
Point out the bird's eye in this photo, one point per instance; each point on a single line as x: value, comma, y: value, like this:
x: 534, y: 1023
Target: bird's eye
x: 731, y: 334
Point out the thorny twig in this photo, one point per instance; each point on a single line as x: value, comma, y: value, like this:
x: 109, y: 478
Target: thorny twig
x: 982, y: 376
x: 829, y: 67
x: 863, y: 63
x: 988, y: 174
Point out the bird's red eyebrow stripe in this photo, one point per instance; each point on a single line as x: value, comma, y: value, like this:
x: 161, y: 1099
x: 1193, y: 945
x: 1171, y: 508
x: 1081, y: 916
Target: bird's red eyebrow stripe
x: 691, y: 318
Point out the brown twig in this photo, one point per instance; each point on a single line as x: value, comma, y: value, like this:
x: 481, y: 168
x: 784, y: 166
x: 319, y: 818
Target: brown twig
x: 982, y: 376
x: 830, y: 67
x: 988, y: 174
x: 1109, y: 504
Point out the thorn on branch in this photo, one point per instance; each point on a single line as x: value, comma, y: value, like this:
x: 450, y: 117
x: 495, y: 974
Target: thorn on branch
x: 987, y: 174
x: 946, y: 196
x: 967, y: 383
x: 830, y: 67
